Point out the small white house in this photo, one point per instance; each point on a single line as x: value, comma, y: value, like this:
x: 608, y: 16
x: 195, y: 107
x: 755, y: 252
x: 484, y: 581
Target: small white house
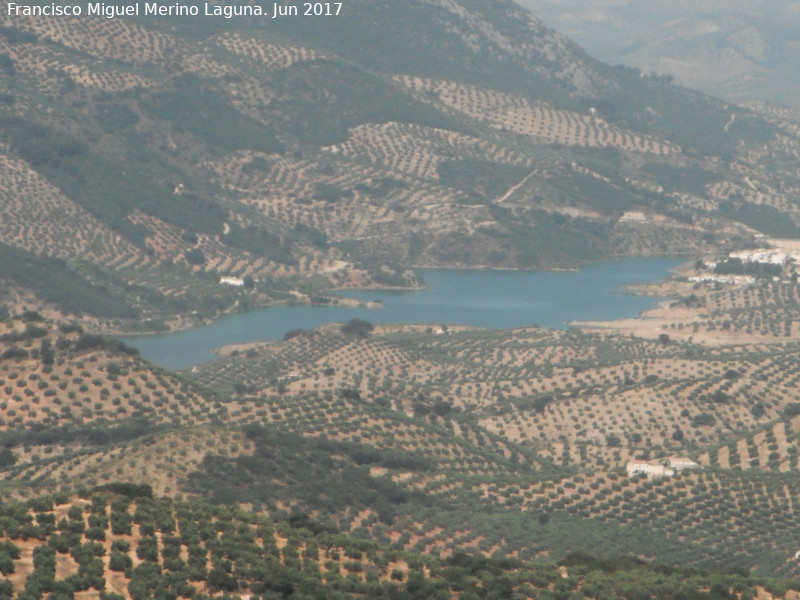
x: 234, y: 281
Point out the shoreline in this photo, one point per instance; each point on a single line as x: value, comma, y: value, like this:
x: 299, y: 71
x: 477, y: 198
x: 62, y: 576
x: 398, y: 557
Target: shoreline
x: 342, y: 302
x: 536, y: 299
x: 185, y: 322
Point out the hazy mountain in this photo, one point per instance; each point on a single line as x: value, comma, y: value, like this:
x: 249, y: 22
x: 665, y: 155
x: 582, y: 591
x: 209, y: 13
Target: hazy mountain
x: 735, y: 50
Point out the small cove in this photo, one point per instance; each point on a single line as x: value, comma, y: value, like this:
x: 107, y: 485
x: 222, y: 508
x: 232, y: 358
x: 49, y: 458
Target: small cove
x: 481, y: 298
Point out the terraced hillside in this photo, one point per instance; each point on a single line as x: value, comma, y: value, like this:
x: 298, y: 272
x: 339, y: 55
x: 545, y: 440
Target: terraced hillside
x: 154, y: 159
x: 157, y: 174
x: 130, y: 545
x: 540, y: 120
x: 400, y: 434
x: 575, y: 398
x: 575, y: 410
x: 60, y: 377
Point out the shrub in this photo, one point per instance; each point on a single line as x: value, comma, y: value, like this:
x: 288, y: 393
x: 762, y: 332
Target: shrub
x: 147, y: 549
x: 119, y: 562
x: 95, y: 533
x: 703, y: 419
x: 7, y: 458
x: 792, y: 409
x: 6, y: 564
x: 720, y: 397
x: 195, y: 257
x: 358, y: 327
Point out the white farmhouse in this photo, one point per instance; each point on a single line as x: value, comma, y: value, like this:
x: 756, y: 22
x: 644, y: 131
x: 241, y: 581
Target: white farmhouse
x: 234, y: 281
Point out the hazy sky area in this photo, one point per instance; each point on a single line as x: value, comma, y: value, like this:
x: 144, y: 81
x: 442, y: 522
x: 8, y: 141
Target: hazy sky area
x: 739, y: 50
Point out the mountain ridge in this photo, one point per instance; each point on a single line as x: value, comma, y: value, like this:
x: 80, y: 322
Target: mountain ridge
x: 744, y: 51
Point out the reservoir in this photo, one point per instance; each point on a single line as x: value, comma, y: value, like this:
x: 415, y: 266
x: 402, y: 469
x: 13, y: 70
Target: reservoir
x: 497, y: 299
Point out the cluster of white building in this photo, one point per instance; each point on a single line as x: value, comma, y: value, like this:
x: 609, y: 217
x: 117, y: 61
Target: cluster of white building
x: 773, y: 256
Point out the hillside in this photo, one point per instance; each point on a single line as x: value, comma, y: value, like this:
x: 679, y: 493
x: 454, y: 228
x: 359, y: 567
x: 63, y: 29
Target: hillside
x: 123, y: 543
x: 739, y: 51
x: 157, y: 173
x: 144, y: 160
x: 505, y: 444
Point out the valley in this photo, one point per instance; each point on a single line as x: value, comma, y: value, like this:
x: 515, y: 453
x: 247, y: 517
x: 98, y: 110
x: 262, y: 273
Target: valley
x: 396, y: 440
x: 293, y: 162
x: 538, y: 427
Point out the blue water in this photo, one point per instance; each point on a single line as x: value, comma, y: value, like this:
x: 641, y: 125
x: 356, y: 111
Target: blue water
x: 498, y: 299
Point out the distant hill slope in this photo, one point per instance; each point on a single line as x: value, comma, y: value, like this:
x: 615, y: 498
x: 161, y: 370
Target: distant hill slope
x: 151, y: 158
x: 740, y: 51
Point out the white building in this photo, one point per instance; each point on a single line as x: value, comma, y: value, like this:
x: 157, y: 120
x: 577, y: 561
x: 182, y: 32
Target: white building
x: 234, y: 281
x: 652, y: 471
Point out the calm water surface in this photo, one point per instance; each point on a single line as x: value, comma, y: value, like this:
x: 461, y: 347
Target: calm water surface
x: 498, y: 299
